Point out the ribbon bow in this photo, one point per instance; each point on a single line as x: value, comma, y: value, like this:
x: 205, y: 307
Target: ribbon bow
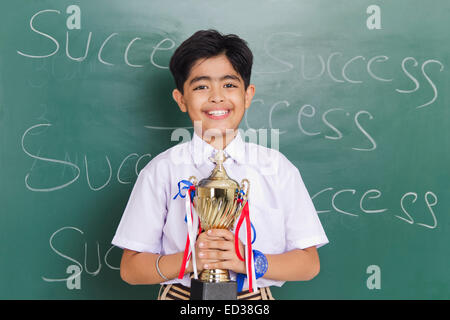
x: 188, y: 184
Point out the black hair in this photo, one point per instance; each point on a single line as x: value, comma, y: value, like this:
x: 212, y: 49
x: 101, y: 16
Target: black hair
x: 207, y: 44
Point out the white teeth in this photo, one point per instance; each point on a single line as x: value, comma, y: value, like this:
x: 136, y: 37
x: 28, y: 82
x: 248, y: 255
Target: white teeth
x: 218, y: 112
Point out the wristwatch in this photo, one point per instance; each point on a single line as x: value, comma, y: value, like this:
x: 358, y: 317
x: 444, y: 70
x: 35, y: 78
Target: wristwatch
x: 260, y: 262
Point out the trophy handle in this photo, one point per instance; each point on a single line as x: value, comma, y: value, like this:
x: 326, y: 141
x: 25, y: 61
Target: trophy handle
x: 245, y: 183
x: 193, y: 180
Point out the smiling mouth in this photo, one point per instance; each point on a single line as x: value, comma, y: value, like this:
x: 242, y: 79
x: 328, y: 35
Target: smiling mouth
x: 217, y: 114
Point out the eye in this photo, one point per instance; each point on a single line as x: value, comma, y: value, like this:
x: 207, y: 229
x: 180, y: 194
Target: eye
x: 200, y: 87
x: 230, y: 85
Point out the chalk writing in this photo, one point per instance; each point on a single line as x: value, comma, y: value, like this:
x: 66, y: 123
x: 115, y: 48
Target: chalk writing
x: 430, y: 199
x: 325, y: 68
x: 75, y: 168
x: 76, y: 271
x: 73, y: 23
x: 309, y: 111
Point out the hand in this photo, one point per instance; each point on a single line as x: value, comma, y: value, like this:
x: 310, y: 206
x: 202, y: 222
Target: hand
x: 201, y: 260
x: 215, y: 250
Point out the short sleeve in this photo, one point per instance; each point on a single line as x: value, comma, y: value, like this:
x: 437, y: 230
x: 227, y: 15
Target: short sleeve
x: 302, y: 225
x: 140, y: 228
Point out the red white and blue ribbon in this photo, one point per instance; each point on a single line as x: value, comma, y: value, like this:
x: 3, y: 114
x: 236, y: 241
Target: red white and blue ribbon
x: 194, y: 228
x: 249, y: 260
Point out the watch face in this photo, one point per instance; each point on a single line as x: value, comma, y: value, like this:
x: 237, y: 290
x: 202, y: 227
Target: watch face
x: 260, y: 263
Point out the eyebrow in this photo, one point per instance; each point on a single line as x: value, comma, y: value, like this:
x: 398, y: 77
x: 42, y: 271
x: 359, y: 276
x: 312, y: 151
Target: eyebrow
x: 225, y: 77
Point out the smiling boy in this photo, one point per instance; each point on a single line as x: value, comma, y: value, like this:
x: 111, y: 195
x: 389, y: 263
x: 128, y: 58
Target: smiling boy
x: 215, y: 95
x: 212, y: 76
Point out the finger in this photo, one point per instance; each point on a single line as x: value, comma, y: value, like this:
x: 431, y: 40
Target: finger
x: 225, y: 264
x: 216, y: 255
x: 202, y: 262
x: 204, y: 237
x: 216, y: 245
x: 224, y: 233
x: 207, y: 234
x: 208, y: 237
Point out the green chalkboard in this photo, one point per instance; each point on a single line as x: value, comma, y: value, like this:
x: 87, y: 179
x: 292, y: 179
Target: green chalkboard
x: 359, y: 91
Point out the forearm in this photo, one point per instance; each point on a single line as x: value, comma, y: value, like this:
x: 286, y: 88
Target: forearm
x: 140, y: 267
x: 295, y: 265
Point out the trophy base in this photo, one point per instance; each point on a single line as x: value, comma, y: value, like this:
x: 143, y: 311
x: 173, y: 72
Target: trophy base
x: 214, y: 275
x: 213, y: 290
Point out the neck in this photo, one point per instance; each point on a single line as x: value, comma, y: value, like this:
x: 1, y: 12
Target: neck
x: 220, y: 142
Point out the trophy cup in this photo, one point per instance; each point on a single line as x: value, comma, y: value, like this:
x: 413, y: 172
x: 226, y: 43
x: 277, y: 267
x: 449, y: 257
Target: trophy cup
x: 217, y: 204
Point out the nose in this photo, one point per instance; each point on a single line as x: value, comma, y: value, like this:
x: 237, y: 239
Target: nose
x: 217, y: 95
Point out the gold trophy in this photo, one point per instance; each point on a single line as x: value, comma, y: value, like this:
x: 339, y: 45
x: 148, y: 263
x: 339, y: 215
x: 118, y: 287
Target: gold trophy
x: 217, y: 205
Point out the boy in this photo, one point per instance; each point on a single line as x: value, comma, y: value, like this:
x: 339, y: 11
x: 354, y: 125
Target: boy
x: 212, y: 75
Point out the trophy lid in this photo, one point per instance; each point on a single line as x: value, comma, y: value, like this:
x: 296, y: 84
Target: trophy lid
x: 219, y: 178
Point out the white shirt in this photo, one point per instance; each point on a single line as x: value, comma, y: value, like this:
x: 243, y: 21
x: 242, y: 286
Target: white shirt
x: 280, y: 207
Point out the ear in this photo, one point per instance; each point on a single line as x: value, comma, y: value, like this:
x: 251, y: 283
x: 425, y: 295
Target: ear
x: 178, y: 97
x: 249, y: 94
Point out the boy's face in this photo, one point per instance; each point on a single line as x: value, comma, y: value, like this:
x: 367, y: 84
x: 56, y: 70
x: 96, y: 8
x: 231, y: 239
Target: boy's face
x: 215, y: 96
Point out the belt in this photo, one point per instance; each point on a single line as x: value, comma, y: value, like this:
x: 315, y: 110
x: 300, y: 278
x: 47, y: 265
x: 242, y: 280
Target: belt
x: 178, y: 291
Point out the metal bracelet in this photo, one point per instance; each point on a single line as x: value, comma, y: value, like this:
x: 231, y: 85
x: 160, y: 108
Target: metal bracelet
x: 159, y: 271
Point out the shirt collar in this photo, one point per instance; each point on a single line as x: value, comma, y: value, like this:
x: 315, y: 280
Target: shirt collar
x: 201, y: 150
